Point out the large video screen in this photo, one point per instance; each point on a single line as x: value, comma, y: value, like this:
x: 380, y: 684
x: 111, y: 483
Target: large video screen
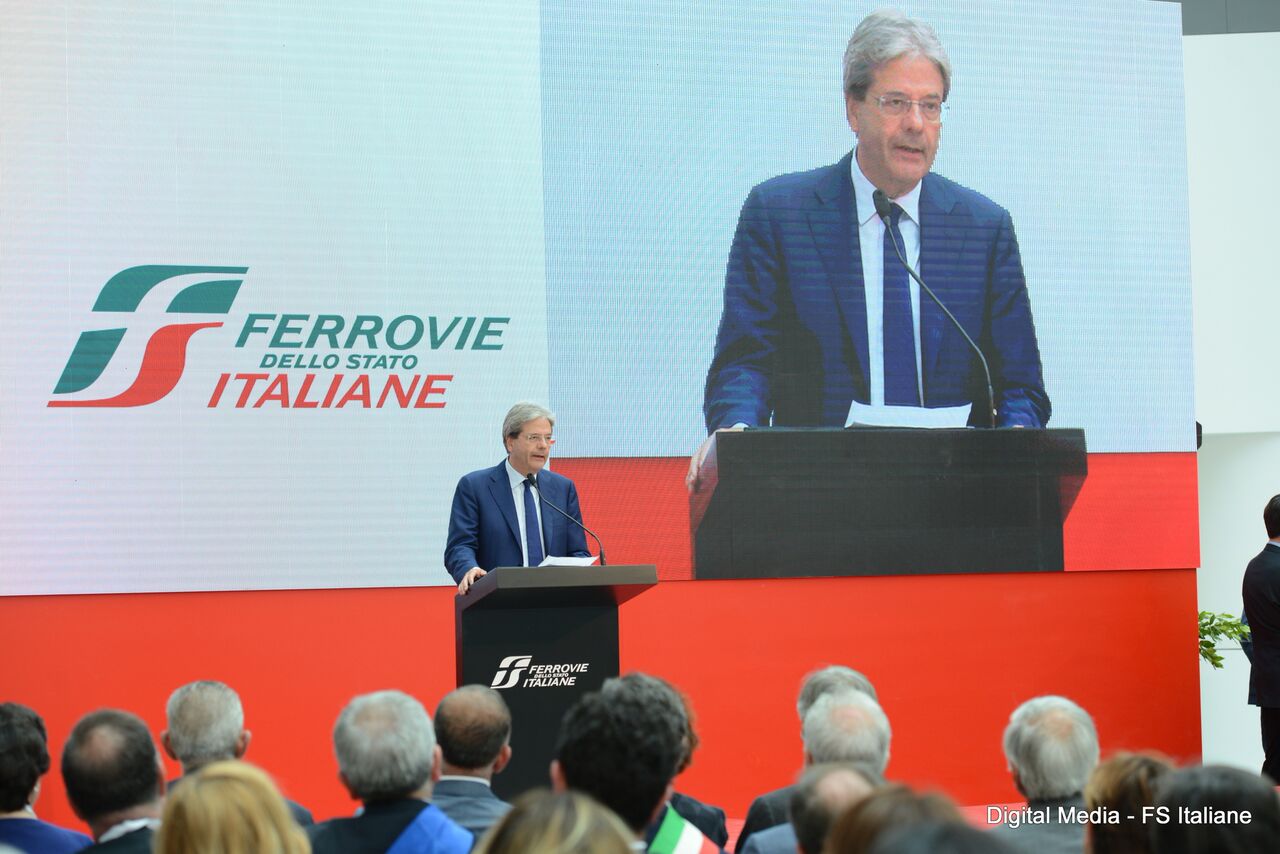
x: 271, y: 273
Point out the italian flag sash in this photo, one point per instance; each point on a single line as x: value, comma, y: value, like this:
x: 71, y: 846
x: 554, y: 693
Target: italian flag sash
x: 677, y: 836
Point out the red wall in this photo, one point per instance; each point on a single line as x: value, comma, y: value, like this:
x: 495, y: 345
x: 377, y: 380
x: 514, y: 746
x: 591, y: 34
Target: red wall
x: 950, y: 655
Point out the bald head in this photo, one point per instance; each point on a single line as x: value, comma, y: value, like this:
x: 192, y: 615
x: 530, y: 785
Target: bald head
x: 473, y: 729
x: 847, y: 726
x: 823, y: 793
x: 111, y: 769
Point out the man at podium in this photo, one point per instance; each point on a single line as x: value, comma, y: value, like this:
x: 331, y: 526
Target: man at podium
x: 508, y: 515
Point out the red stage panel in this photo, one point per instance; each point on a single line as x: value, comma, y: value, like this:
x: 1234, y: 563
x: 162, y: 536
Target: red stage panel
x: 1135, y: 511
x: 951, y: 655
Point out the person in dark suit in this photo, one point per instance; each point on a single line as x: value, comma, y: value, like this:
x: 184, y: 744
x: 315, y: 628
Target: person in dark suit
x: 205, y: 725
x: 1261, y: 591
x: 473, y: 729
x: 771, y: 808
x: 24, y: 759
x: 818, y: 310
x: 114, y: 780
x: 387, y: 759
x: 824, y: 792
x: 487, y: 525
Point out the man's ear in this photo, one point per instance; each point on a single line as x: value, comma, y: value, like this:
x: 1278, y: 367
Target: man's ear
x: 504, y: 756
x: 437, y: 757
x: 851, y: 112
x: 168, y: 746
x: 558, y: 783
x: 242, y: 743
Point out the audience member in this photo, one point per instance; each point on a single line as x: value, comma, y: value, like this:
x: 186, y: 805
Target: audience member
x: 823, y: 793
x: 1051, y: 747
x: 114, y: 780
x: 890, y: 806
x: 543, y: 822
x: 206, y: 724
x: 1123, y: 787
x: 473, y: 728
x: 1206, y: 808
x: 387, y: 759
x: 940, y: 837
x: 770, y: 809
x: 24, y: 759
x: 228, y: 808
x: 841, y: 726
x: 621, y: 745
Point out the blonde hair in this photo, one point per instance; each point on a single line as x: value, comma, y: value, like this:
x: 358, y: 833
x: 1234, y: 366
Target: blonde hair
x: 228, y: 808
x: 541, y: 822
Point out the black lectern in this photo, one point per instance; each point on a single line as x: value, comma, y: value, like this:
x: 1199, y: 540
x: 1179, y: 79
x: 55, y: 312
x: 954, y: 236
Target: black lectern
x: 884, y: 501
x: 543, y: 636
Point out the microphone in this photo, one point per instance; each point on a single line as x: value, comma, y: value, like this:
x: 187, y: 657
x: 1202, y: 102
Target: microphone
x: 885, y: 209
x: 533, y: 481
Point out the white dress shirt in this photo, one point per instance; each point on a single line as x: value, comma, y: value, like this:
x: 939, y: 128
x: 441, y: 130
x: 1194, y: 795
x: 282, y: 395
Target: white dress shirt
x: 517, y: 492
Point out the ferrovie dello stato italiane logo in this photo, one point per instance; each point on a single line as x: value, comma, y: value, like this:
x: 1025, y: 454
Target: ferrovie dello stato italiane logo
x: 283, y: 360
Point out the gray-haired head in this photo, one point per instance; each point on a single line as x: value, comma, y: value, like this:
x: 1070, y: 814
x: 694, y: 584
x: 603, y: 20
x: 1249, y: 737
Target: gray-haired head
x: 882, y: 37
x: 847, y: 726
x: 835, y: 677
x: 521, y: 414
x: 385, y: 746
x: 1052, y: 747
x: 205, y: 721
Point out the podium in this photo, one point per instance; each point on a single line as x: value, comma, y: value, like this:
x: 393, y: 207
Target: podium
x: 781, y: 502
x: 543, y: 636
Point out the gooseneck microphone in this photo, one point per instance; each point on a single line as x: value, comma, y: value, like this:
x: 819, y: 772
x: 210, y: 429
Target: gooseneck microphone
x: 532, y: 480
x: 885, y: 209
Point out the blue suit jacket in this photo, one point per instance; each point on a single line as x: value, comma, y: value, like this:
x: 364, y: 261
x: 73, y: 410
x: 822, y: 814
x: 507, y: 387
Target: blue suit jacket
x: 792, y: 345
x: 484, y: 530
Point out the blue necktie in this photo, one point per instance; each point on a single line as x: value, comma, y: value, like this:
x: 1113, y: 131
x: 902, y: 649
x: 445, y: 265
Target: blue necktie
x: 532, y: 536
x: 900, y: 387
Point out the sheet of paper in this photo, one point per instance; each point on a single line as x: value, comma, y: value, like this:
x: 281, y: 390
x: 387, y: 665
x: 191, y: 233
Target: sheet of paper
x: 552, y: 560
x: 865, y: 415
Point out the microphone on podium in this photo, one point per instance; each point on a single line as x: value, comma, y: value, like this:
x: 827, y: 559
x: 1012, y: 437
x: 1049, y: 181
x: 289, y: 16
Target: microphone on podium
x: 532, y: 480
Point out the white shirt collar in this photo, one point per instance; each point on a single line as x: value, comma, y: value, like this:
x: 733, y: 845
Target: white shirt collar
x: 464, y: 778
x: 514, y: 476
x: 126, y: 827
x: 863, y: 189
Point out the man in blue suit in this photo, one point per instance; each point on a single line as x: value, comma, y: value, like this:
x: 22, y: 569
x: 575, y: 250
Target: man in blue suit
x: 819, y: 312
x: 491, y: 507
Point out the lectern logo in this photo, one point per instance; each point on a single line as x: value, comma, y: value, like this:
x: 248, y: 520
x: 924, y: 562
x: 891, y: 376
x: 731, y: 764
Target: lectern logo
x: 509, y: 671
x: 513, y: 667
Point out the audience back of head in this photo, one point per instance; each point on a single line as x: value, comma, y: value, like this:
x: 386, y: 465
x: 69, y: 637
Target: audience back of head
x: 621, y: 745
x: 1125, y: 783
x: 847, y: 726
x: 542, y: 822
x: 941, y: 837
x: 1051, y: 746
x: 205, y: 724
x: 472, y: 726
x: 110, y: 766
x: 229, y: 808
x: 825, y: 680
x: 24, y: 755
x: 822, y: 794
x: 1209, y: 790
x: 385, y: 746
x: 890, y: 806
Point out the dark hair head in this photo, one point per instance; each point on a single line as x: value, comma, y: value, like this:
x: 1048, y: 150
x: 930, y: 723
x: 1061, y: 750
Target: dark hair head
x: 1217, y: 788
x: 1125, y: 783
x: 473, y: 724
x: 823, y: 793
x: 1271, y: 517
x: 109, y: 764
x: 566, y: 823
x: 621, y: 745
x: 890, y: 806
x: 24, y: 754
x: 940, y: 837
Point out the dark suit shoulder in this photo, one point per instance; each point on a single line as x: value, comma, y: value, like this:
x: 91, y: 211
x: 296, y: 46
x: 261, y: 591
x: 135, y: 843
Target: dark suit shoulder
x: 796, y: 190
x: 768, y: 810
x: 371, y: 832
x: 954, y: 197
x: 137, y: 842
x: 708, y: 819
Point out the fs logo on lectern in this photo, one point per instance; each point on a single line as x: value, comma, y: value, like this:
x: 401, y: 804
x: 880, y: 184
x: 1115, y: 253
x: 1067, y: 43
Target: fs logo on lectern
x: 539, y: 675
x: 166, y: 352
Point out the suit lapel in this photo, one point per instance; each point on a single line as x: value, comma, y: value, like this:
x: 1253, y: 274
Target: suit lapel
x: 500, y: 489
x: 834, y: 226
x: 940, y: 249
